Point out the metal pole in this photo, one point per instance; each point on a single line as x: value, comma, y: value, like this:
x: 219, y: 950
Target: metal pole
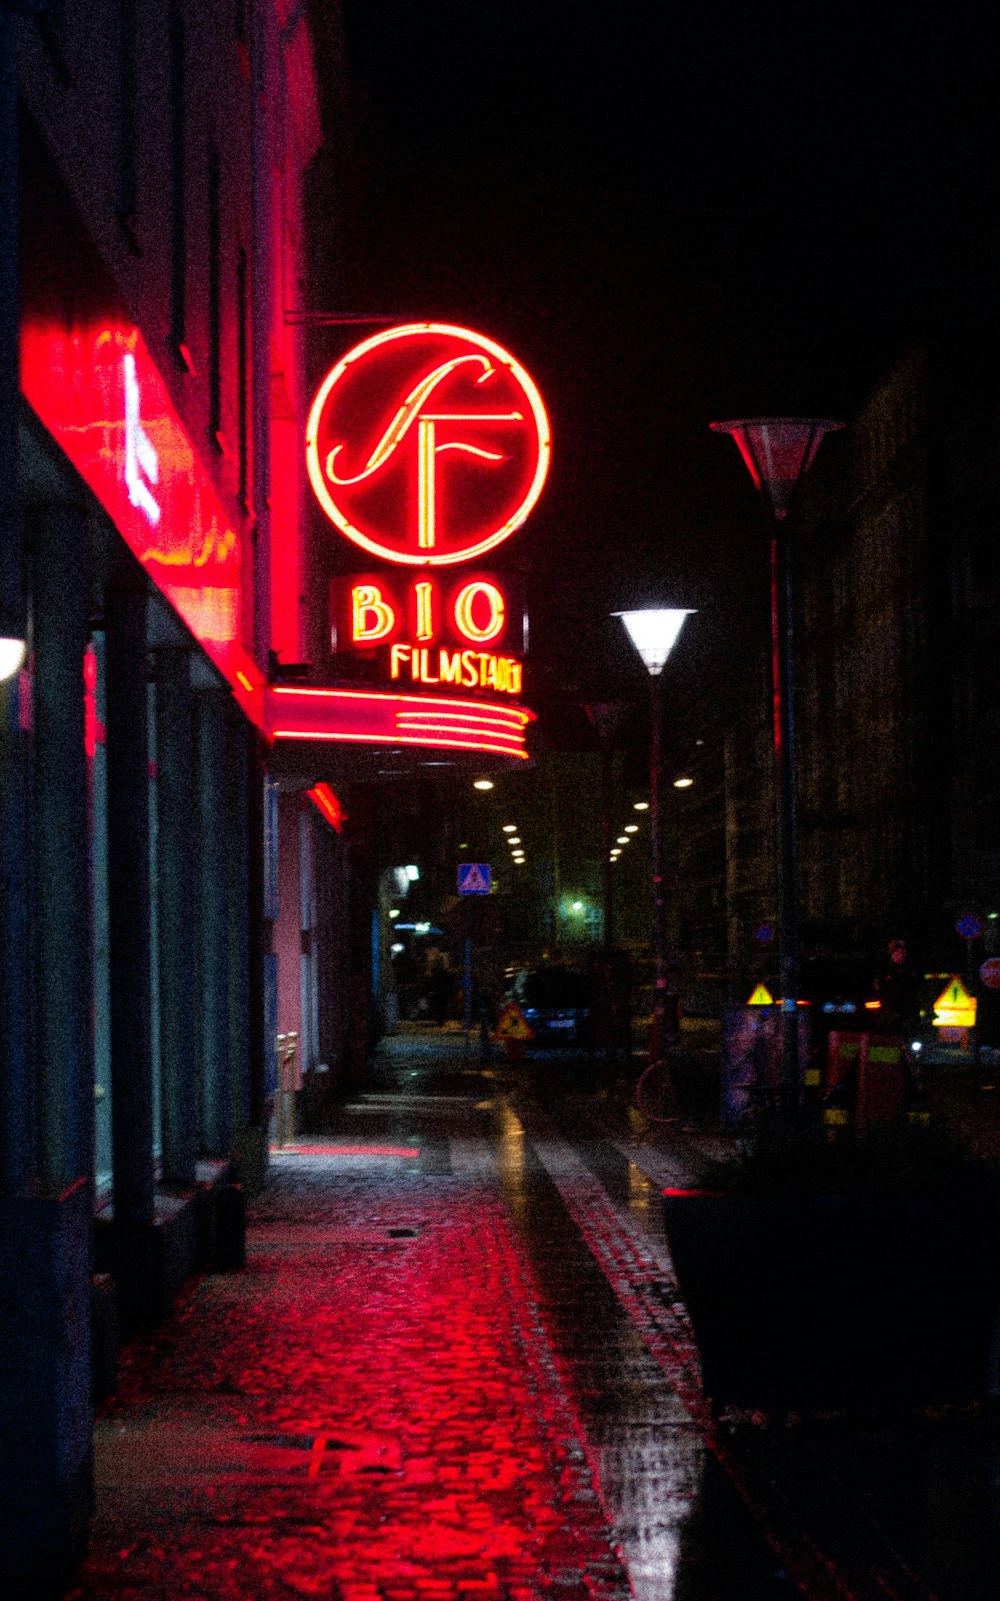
x: 787, y: 815
x: 606, y: 862
x: 659, y: 893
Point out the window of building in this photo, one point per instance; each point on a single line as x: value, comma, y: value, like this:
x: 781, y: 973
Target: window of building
x: 214, y: 302
x: 178, y: 222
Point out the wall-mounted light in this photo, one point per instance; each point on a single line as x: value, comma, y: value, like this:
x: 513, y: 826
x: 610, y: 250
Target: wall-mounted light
x: 631, y: 828
x: 640, y: 806
x: 510, y: 828
x: 12, y: 654
x: 683, y: 782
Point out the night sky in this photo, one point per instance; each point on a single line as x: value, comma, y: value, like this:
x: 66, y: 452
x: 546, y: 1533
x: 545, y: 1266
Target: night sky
x: 670, y: 217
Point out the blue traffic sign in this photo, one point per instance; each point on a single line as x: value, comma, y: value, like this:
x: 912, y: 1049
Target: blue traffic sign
x: 475, y: 878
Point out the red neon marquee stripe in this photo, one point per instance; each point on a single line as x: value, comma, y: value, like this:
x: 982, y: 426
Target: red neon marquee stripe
x: 419, y: 702
x: 429, y: 743
x: 419, y: 720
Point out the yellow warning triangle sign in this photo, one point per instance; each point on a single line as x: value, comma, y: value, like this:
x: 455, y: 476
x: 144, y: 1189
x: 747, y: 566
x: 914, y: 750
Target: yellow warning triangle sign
x: 954, y: 994
x: 761, y: 996
x: 513, y: 1025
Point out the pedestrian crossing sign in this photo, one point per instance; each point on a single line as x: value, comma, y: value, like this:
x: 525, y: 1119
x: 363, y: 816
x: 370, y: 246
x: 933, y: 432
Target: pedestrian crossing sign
x: 475, y: 878
x: 513, y: 1025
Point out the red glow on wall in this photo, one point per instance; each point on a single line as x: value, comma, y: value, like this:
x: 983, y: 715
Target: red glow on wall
x: 373, y: 718
x: 101, y: 397
x: 328, y: 805
x: 427, y: 444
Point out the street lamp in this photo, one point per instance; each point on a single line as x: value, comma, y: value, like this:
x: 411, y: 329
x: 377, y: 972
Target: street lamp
x: 654, y: 633
x: 778, y: 452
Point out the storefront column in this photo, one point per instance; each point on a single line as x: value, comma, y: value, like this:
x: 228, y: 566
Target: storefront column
x: 129, y: 905
x: 16, y: 1130
x: 238, y: 761
x: 213, y: 952
x: 17, y: 1087
x: 63, y: 911
x: 176, y: 896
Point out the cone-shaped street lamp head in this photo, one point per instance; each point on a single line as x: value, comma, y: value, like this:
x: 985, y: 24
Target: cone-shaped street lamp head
x: 654, y: 633
x: 778, y: 451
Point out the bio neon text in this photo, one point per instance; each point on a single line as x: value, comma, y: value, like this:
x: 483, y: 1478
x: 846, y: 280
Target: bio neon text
x: 477, y: 612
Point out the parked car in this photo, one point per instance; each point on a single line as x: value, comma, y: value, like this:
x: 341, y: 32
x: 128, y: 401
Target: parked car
x: 557, y: 1003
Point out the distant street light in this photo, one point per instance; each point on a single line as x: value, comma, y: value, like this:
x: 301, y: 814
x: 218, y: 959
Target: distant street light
x: 779, y: 452
x: 654, y: 633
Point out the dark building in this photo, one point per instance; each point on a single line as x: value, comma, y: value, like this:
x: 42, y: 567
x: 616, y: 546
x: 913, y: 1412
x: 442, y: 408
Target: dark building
x: 897, y: 613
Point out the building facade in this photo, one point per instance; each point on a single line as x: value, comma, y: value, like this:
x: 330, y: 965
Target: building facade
x: 154, y: 156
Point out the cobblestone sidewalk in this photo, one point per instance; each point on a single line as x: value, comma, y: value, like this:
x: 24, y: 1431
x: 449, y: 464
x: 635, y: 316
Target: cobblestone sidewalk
x: 369, y: 1412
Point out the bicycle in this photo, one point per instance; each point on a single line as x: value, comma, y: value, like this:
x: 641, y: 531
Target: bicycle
x: 654, y: 1092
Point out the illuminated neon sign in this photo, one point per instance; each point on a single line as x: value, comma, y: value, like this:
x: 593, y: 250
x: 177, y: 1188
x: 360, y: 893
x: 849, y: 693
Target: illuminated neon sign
x: 375, y: 717
x: 428, y: 628
x: 99, y: 394
x: 427, y: 444
x: 328, y: 805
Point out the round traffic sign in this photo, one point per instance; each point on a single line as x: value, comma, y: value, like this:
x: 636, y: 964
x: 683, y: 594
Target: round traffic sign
x: 764, y: 934
x: 969, y: 926
x: 990, y: 973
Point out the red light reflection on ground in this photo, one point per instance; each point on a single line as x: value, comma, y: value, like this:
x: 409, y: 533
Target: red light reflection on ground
x: 353, y: 1415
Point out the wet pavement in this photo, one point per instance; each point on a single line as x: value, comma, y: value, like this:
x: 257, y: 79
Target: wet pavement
x: 457, y: 1365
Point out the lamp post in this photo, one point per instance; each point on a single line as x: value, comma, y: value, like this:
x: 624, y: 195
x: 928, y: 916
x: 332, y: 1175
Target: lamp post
x: 778, y: 452
x: 654, y: 633
x: 605, y: 718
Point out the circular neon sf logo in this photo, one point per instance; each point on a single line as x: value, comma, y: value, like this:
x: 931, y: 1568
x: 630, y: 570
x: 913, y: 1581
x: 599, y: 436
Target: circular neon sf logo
x: 427, y: 444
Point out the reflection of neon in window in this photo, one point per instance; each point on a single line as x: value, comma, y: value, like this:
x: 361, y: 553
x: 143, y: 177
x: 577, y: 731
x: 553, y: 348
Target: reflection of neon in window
x: 464, y: 603
x: 139, y: 451
x: 371, y: 617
